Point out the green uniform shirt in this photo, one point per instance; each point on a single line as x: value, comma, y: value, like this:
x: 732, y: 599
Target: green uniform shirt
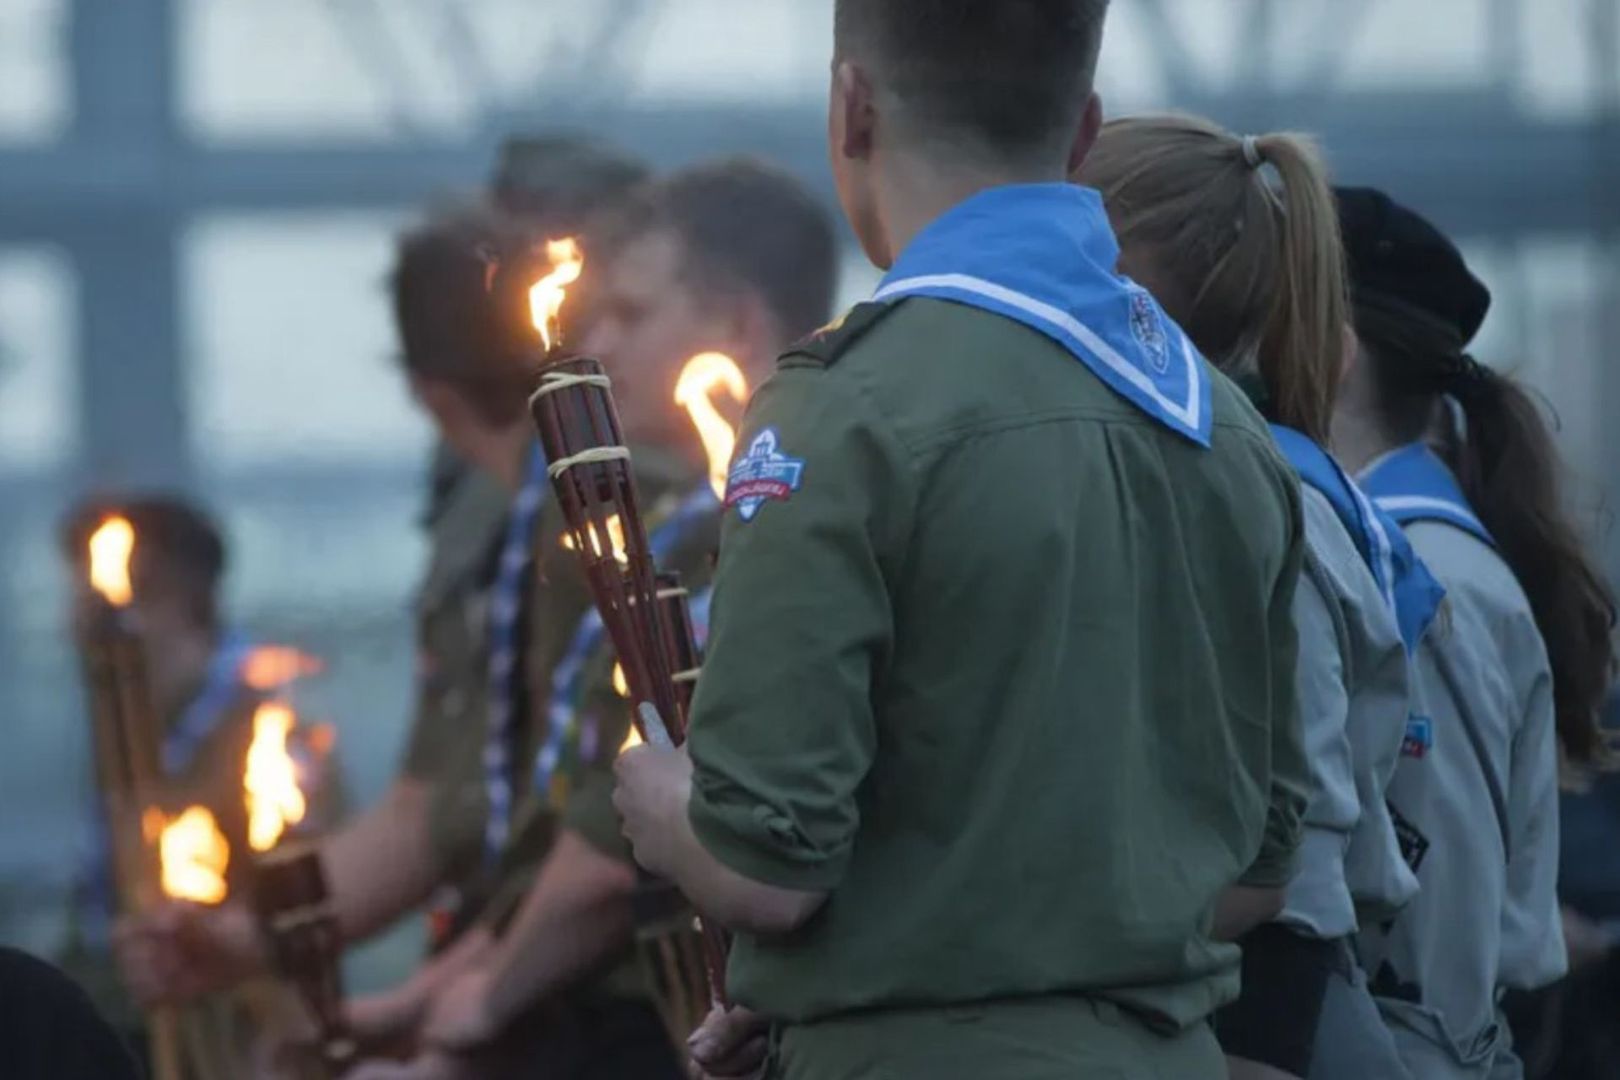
x: 445, y: 745
x: 1009, y: 674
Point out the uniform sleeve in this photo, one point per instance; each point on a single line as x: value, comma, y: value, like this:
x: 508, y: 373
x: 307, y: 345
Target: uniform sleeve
x: 783, y: 731
x: 1290, y: 773
x: 1316, y: 895
x: 1533, y: 952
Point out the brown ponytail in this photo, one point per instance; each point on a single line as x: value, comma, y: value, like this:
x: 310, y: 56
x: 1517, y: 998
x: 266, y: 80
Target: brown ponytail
x: 1254, y: 272
x: 1505, y: 459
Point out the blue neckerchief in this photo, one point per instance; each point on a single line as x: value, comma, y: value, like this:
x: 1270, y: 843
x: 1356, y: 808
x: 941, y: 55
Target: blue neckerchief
x: 505, y: 607
x: 568, y: 677
x: 1409, y: 589
x: 1413, y: 484
x: 1044, y: 255
x: 207, y: 709
x: 200, y: 719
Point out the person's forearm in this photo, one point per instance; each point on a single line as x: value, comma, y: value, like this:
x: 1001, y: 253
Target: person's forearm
x: 734, y: 901
x: 576, y: 916
x: 1241, y: 908
x: 381, y: 866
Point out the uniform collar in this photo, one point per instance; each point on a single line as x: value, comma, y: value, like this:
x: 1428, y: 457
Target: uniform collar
x: 1044, y: 255
x: 1413, y: 484
x: 1411, y: 592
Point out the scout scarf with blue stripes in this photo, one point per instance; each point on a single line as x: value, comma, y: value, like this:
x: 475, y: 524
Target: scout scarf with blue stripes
x: 505, y: 608
x: 1413, y: 484
x: 1044, y: 255
x: 201, y: 718
x: 1408, y: 588
x: 568, y: 677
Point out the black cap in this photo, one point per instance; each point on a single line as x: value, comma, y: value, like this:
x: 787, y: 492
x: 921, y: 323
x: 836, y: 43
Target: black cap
x: 1397, y: 258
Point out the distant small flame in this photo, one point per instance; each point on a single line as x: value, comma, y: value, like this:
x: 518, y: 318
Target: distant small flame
x: 632, y: 739
x: 615, y: 531
x: 193, y: 853
x: 274, y: 800
x: 702, y: 375
x: 621, y: 685
x: 547, y: 295
x: 110, y: 548
x: 271, y: 667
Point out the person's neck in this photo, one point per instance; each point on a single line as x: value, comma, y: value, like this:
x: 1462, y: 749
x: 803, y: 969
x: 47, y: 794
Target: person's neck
x: 178, y: 669
x: 1358, y: 439
x: 505, y: 454
x: 919, y: 190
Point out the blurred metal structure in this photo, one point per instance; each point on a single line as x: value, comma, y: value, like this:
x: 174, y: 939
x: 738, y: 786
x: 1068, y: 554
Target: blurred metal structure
x: 116, y: 192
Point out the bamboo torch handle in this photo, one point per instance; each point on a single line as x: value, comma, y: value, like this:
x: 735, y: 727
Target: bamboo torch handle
x: 167, y: 1052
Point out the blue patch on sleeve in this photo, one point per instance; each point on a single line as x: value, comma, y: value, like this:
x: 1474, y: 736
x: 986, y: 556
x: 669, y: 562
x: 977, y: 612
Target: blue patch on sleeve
x: 761, y: 475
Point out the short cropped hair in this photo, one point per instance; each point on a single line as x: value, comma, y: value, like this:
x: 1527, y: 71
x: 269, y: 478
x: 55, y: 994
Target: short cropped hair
x: 460, y: 296
x: 561, y: 180
x: 178, y: 547
x: 743, y: 224
x: 1011, y: 76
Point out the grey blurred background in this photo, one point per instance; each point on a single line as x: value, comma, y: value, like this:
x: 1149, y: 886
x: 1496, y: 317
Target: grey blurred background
x: 197, y: 199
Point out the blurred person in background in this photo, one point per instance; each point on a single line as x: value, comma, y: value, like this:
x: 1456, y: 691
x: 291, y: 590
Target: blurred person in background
x: 466, y: 353
x: 557, y: 182
x: 196, y: 664
x: 736, y: 257
x: 1253, y: 270
x: 1515, y: 677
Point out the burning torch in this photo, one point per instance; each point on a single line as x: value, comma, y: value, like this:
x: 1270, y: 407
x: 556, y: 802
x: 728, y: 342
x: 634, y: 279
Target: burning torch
x: 589, y: 466
x: 124, y: 732
x: 290, y: 893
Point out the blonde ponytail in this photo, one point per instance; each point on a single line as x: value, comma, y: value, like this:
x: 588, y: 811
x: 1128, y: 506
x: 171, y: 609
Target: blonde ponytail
x: 1253, y: 272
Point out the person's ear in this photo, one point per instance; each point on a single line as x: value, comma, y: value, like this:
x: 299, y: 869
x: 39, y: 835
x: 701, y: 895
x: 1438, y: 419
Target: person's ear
x: 855, y: 107
x: 1085, y: 137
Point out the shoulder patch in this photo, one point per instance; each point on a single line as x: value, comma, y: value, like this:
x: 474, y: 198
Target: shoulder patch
x: 834, y: 340
x: 764, y: 473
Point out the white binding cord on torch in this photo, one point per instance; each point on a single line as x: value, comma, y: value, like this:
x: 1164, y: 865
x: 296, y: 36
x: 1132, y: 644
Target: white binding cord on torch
x: 550, y: 383
x: 596, y: 455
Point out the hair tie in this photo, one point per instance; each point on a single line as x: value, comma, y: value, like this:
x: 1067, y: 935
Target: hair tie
x: 1251, y: 152
x: 1468, y: 377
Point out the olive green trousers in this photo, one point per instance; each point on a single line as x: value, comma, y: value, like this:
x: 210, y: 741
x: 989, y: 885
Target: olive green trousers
x: 1048, y: 1038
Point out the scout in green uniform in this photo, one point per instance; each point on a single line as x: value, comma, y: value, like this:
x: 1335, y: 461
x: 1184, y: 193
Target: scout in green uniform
x: 997, y: 706
x: 733, y: 257
x: 422, y: 840
x: 196, y: 663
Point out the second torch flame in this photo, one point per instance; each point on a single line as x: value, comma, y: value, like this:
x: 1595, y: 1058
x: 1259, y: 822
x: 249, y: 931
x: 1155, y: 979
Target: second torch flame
x: 546, y: 296
x: 193, y: 854
x: 694, y: 391
x: 110, y: 548
x: 274, y: 800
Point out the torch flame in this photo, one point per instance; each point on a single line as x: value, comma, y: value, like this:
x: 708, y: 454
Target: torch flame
x: 271, y: 667
x: 702, y: 375
x: 110, y: 548
x: 621, y: 685
x: 615, y: 531
x: 274, y: 800
x: 632, y: 739
x: 547, y: 295
x: 193, y: 853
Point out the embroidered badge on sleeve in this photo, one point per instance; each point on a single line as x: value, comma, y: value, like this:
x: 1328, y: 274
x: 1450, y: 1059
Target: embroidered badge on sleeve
x: 762, y: 474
